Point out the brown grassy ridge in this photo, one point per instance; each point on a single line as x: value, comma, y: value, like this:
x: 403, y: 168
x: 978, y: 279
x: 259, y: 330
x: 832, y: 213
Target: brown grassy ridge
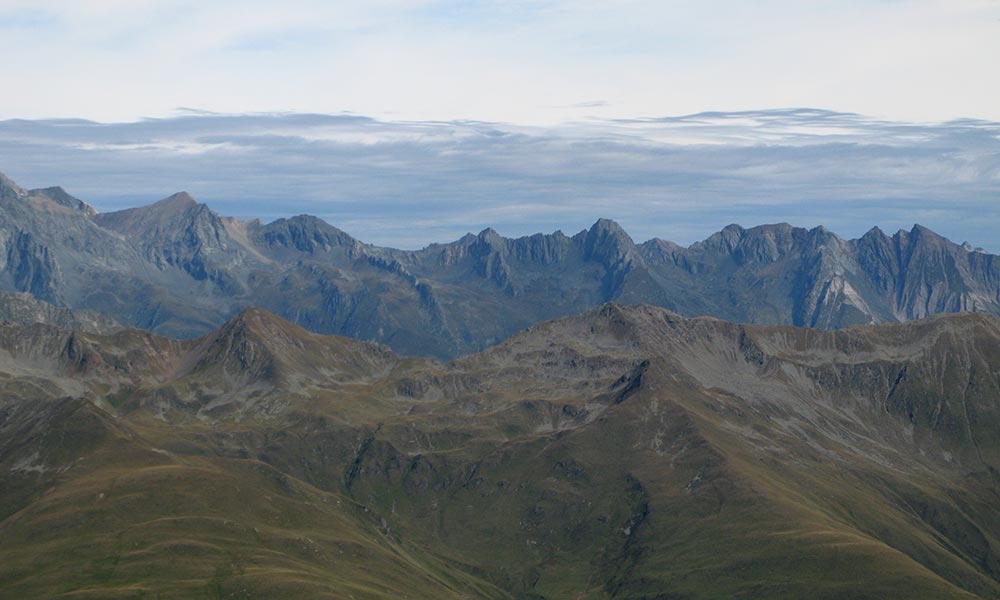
x: 625, y: 453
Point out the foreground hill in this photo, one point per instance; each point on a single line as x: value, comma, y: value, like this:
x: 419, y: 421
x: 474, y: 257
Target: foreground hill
x: 624, y: 453
x: 178, y: 268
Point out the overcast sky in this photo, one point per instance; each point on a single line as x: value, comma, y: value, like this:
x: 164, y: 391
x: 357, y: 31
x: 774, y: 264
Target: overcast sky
x: 408, y: 122
x: 520, y: 61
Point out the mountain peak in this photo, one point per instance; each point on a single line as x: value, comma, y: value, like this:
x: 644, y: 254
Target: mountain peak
x: 63, y: 198
x: 306, y: 233
x: 258, y: 346
x: 970, y: 248
x: 919, y: 230
x: 727, y: 239
x: 608, y: 226
x: 317, y: 226
x: 260, y: 322
x: 140, y: 218
x: 489, y: 234
x: 178, y: 201
x: 772, y: 230
x: 7, y: 186
x: 924, y: 237
x: 608, y: 242
x: 491, y: 241
x: 250, y: 344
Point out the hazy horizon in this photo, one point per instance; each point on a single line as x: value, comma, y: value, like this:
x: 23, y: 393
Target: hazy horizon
x: 406, y: 122
x: 406, y: 184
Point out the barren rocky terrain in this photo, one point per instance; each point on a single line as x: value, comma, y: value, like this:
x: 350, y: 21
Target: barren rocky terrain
x: 179, y: 269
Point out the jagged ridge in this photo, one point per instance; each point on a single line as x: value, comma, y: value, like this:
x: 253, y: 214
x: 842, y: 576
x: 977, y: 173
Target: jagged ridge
x: 178, y: 268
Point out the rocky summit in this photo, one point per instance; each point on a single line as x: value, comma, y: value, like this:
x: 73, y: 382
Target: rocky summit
x: 179, y: 269
x: 624, y: 453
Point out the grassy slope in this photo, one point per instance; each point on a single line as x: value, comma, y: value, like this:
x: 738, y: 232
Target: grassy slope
x: 560, y: 465
x: 128, y: 519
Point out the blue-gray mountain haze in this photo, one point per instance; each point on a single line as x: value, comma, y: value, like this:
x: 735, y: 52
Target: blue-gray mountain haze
x: 408, y: 184
x: 178, y: 268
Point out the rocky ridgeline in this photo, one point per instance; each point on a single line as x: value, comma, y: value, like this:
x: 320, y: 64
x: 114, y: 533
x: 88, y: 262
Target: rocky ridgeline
x: 178, y: 268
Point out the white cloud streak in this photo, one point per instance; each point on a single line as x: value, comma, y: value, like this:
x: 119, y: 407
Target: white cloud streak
x: 409, y: 183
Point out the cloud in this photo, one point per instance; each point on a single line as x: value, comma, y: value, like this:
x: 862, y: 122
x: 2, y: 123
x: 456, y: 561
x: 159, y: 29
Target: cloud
x: 409, y: 183
x: 26, y: 18
x: 540, y: 62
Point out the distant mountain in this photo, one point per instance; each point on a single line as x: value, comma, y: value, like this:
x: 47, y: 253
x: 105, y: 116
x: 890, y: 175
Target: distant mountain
x: 626, y: 453
x: 178, y: 268
x: 21, y: 307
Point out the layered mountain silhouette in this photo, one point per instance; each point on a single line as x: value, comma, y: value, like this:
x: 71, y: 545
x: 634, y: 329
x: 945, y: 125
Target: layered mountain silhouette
x: 624, y: 453
x: 178, y: 268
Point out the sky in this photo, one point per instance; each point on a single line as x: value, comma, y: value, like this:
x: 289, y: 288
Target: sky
x: 519, y: 61
x: 408, y: 122
x: 405, y: 184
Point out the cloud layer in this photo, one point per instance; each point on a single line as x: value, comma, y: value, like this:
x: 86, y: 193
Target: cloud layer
x: 409, y: 183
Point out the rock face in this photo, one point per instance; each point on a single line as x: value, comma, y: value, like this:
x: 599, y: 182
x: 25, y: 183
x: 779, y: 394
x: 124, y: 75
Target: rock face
x: 23, y: 308
x: 178, y: 268
x: 624, y: 453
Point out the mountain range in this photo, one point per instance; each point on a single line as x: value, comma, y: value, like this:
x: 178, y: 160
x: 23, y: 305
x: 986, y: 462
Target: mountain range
x: 177, y: 268
x: 176, y: 420
x: 623, y: 453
